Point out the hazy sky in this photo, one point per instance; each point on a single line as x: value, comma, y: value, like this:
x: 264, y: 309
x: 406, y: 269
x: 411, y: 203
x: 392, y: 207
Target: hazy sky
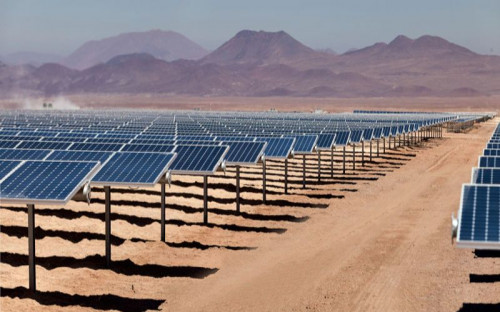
x: 61, y: 26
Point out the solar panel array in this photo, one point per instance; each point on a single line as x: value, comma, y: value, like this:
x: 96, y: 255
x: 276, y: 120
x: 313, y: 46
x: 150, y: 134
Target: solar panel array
x: 479, y: 212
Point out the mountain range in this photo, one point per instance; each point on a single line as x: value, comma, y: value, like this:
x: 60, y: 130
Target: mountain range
x: 258, y: 63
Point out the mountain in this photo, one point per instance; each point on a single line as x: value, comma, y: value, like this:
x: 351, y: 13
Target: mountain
x: 31, y: 58
x: 402, y: 46
x: 164, y: 45
x: 261, y: 47
x: 275, y: 64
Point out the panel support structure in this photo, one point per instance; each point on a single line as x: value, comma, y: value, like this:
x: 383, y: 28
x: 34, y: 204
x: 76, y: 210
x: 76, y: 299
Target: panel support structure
x: 319, y: 166
x: 353, y: 157
x: 31, y: 248
x: 363, y: 153
x: 238, y: 189
x: 371, y: 159
x: 205, y: 199
x: 286, y: 175
x: 107, y: 221
x: 343, y: 160
x: 303, y: 171
x: 162, y: 212
x: 264, y: 181
x: 331, y: 168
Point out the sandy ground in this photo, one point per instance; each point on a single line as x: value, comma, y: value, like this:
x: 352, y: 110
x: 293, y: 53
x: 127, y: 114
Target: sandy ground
x: 374, y: 239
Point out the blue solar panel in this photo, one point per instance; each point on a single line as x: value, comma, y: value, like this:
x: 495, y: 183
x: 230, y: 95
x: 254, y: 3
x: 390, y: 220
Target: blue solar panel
x: 8, y: 144
x: 20, y: 154
x: 325, y: 141
x: 486, y: 176
x: 6, y: 166
x: 491, y: 152
x: 198, y: 159
x: 342, y: 138
x: 45, y: 181
x: 356, y: 136
x: 377, y: 133
x: 102, y: 147
x: 489, y: 161
x: 367, y: 134
x: 148, y: 148
x: 394, y: 130
x: 153, y: 141
x: 62, y: 139
x: 43, y: 145
x: 236, y: 138
x: 80, y: 156
x: 107, y: 140
x: 386, y: 132
x: 133, y: 168
x: 479, y: 217
x: 305, y: 144
x: 278, y: 147
x: 244, y: 152
x: 493, y: 145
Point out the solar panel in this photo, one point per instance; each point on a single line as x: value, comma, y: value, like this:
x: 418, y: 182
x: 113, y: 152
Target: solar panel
x: 103, y: 147
x: 80, y: 156
x: 198, y: 159
x: 386, y: 132
x: 242, y: 153
x: 356, y: 136
x: 367, y: 134
x: 377, y: 133
x: 325, y: 141
x: 394, y: 130
x: 479, y: 217
x: 493, y: 146
x: 50, y: 182
x: 133, y: 169
x: 8, y: 144
x: 148, y: 148
x: 235, y: 138
x: 21, y: 154
x: 342, y: 138
x: 278, y: 147
x: 491, y: 152
x: 489, y: 161
x: 305, y: 144
x: 485, y: 176
x: 6, y: 166
x: 43, y: 145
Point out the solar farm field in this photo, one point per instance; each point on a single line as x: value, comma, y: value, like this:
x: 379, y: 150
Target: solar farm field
x: 225, y: 211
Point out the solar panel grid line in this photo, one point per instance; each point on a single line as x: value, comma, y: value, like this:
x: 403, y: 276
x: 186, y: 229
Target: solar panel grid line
x: 7, y: 167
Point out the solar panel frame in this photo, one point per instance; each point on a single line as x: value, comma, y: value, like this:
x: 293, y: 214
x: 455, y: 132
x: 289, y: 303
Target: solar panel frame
x: 305, y: 144
x: 485, y: 176
x: 85, y: 175
x: 212, y: 171
x: 472, y: 243
x: 326, y: 141
x: 260, y: 146
x: 23, y: 154
x: 98, y: 180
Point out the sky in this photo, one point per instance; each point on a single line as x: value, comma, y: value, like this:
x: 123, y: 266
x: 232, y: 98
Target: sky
x: 61, y: 26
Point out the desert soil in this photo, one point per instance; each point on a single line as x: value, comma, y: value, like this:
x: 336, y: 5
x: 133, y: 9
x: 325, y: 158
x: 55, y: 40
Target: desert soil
x: 374, y: 239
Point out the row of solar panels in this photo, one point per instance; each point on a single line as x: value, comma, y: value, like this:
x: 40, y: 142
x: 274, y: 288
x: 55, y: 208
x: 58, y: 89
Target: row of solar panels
x: 478, y: 223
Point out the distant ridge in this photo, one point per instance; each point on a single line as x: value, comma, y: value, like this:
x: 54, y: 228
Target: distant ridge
x: 165, y: 45
x: 259, y: 63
